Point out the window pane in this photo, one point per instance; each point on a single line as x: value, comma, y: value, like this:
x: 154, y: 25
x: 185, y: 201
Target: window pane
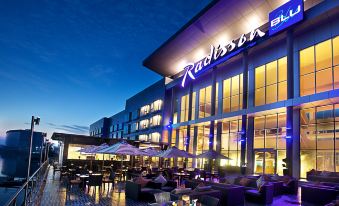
x: 233, y: 141
x: 282, y: 91
x: 336, y: 77
x: 307, y: 60
x: 259, y: 139
x: 259, y: 96
x: 323, y: 53
x: 202, y: 96
x: 325, y: 137
x: 234, y: 126
x: 336, y: 51
x: 271, y: 94
x: 324, y: 80
x: 280, y: 157
x: 240, y: 102
x: 271, y: 136
x: 226, y: 105
x: 307, y: 161
x: 260, y: 76
x: 241, y: 83
x: 282, y: 68
x: 281, y: 119
x: 235, y: 103
x: 208, y: 94
x: 307, y: 84
x: 325, y: 160
x: 224, y: 141
x: 259, y: 122
x: 308, y: 137
x: 336, y: 112
x: 227, y: 88
x: 208, y: 109
x: 307, y: 116
x: 281, y: 141
x: 271, y: 121
x: 271, y: 73
x: 325, y: 114
x: 235, y: 85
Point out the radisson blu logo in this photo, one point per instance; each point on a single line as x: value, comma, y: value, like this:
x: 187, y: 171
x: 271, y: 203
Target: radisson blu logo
x: 192, y: 70
x: 286, y: 15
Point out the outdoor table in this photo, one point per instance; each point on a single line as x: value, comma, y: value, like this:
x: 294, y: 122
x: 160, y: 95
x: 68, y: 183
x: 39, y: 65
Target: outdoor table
x: 181, y: 175
x: 83, y: 179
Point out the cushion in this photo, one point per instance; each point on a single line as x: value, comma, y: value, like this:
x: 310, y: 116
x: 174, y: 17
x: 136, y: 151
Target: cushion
x: 275, y: 177
x: 244, y: 181
x: 181, y: 190
x: 259, y: 181
x: 161, y: 179
x: 141, y: 181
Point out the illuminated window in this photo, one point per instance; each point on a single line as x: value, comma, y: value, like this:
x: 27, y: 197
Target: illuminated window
x: 194, y: 96
x: 144, y: 110
x: 184, y: 107
x: 319, y: 67
x: 143, y: 137
x: 205, y: 102
x: 271, y: 82
x: 319, y: 139
x: 182, y: 138
x: 175, y: 111
x: 156, y: 105
x: 155, y: 120
x: 230, y: 142
x: 232, y: 93
x: 269, y: 134
x: 174, y: 137
x: 154, y: 137
x: 144, y: 124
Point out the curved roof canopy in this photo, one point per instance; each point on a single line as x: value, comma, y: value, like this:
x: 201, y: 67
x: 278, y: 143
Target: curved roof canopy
x: 220, y: 22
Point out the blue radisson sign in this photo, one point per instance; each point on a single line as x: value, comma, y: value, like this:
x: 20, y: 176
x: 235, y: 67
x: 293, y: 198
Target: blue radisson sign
x: 286, y: 15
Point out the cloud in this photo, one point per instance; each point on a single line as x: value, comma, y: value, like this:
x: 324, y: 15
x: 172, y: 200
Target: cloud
x: 70, y: 128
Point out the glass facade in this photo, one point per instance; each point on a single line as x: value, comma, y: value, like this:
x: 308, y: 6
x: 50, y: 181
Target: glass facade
x: 269, y: 143
x: 232, y: 93
x: 205, y: 102
x: 184, y: 107
x: 319, y: 67
x: 271, y: 82
x: 230, y: 142
x: 319, y: 139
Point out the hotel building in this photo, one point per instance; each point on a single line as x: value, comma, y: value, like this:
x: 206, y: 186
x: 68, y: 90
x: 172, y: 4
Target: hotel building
x: 257, y: 81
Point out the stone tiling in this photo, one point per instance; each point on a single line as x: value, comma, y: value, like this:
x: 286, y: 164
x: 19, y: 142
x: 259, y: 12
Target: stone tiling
x: 55, y: 194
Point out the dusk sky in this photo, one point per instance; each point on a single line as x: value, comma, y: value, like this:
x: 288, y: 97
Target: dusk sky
x: 73, y: 62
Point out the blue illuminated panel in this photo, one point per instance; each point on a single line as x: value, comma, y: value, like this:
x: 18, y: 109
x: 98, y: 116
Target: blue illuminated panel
x: 285, y: 16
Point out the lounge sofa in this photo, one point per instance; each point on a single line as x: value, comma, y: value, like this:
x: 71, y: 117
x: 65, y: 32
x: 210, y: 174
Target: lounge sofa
x: 318, y: 194
x: 322, y: 176
x: 137, y: 192
x: 230, y: 194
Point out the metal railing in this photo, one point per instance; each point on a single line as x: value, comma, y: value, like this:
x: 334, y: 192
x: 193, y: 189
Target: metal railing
x: 31, y: 188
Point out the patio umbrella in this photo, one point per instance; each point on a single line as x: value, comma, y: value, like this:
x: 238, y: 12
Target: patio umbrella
x: 175, y: 152
x: 150, y: 152
x: 122, y: 148
x: 98, y: 148
x: 211, y: 154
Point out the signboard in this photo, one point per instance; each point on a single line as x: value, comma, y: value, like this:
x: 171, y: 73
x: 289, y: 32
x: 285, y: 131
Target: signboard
x: 286, y: 15
x: 220, y: 53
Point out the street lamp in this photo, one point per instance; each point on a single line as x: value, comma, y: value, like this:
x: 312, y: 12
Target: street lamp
x: 34, y: 121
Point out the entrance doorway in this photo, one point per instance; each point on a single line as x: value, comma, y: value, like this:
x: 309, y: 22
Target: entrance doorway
x: 265, y: 161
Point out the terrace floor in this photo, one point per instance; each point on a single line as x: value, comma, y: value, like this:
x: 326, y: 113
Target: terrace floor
x: 55, y: 194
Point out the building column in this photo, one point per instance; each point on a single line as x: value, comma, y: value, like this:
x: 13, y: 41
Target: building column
x: 292, y: 115
x: 250, y: 143
x: 213, y: 100
x: 244, y: 117
x: 190, y: 101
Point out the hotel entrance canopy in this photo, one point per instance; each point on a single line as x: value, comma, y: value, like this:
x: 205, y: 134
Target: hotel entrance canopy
x: 219, y: 22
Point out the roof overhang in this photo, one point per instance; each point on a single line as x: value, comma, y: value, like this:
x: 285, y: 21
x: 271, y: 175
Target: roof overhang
x: 218, y: 23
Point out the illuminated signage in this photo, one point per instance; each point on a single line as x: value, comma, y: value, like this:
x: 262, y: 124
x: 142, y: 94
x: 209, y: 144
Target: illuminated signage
x: 221, y: 52
x: 286, y: 15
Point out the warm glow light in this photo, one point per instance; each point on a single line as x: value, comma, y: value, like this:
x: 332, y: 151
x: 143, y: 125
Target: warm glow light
x: 181, y: 65
x: 199, y: 54
x: 253, y: 22
x: 222, y: 39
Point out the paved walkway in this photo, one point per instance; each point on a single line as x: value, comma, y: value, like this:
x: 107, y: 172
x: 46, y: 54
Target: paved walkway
x: 55, y: 194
